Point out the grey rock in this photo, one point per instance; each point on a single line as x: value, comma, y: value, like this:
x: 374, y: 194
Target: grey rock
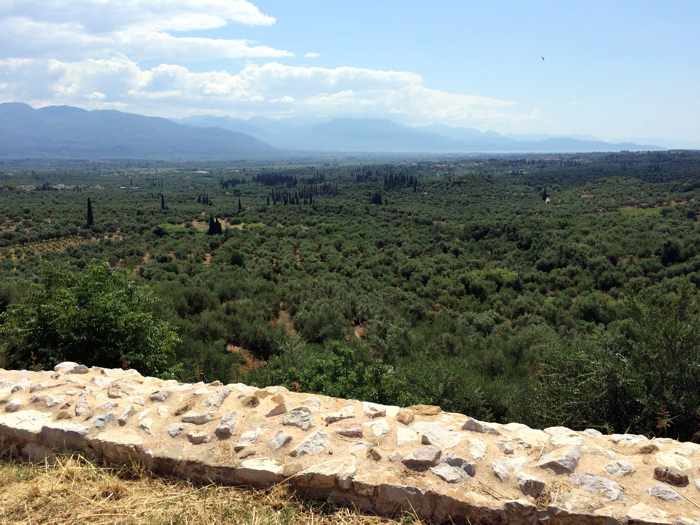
x: 69, y: 367
x: 437, y: 434
x: 217, y: 399
x: 159, y: 395
x: 464, y: 465
x: 82, y: 407
x: 249, y: 437
x: 608, y: 488
x: 422, y: 458
x: 506, y: 447
x: 124, y: 417
x: 314, y: 444
x: 664, y: 493
x: 13, y: 405
x: 530, y: 485
x: 65, y: 367
x: 378, y: 428
x: 198, y: 438
x: 561, y: 461
x: 448, y: 473
x: 506, y: 467
x: 347, y: 412
x: 197, y: 418
x: 146, y: 424
x: 227, y: 425
x: 354, y: 431
x: 592, y: 432
x: 628, y: 439
x: 175, y: 430
x: 102, y: 420
x: 106, y: 407
x: 373, y: 410
x: 279, y: 440
x: 619, y: 468
x: 21, y: 386
x: 47, y: 401
x: 474, y: 425
x: 298, y: 417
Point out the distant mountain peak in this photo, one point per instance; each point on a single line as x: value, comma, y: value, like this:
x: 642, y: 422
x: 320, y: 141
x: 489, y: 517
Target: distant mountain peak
x: 70, y: 132
x: 381, y: 135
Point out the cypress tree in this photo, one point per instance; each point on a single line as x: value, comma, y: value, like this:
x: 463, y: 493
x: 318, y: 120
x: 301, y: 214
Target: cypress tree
x: 90, y: 220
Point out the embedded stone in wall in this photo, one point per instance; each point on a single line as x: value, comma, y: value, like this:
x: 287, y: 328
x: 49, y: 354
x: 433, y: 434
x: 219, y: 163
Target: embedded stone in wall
x: 378, y: 458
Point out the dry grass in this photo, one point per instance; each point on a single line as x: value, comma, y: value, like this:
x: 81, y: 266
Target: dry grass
x: 75, y: 490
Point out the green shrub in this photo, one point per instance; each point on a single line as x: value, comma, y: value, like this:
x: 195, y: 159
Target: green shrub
x: 96, y: 317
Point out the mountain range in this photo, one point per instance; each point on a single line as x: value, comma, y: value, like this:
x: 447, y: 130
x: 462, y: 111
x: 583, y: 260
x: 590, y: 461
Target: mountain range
x: 65, y: 132
x: 364, y: 135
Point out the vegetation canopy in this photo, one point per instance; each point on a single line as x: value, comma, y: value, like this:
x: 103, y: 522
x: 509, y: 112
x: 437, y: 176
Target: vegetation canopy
x: 96, y: 316
x: 544, y: 289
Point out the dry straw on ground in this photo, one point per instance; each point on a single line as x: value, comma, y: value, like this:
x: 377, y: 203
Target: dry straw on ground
x: 75, y: 490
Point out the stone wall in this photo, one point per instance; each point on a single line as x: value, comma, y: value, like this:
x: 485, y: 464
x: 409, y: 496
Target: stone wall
x: 380, y: 459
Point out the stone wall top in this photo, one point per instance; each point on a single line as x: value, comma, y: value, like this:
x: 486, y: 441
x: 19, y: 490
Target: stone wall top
x: 382, y: 459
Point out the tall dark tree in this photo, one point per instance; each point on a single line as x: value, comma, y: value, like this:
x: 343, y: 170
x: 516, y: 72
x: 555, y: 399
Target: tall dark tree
x: 215, y: 227
x: 163, y: 207
x: 90, y: 219
x: 240, y: 207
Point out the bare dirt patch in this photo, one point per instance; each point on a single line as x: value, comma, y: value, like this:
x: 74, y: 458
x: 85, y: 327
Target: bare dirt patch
x: 284, y: 320
x: 360, y: 331
x: 250, y: 362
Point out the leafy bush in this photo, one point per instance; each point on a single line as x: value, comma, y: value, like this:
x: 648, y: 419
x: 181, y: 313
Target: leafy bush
x: 643, y: 374
x: 96, y: 317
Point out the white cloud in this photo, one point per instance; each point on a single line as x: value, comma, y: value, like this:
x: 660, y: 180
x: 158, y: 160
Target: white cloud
x: 270, y: 89
x: 103, y: 16
x: 140, y: 29
x: 151, y: 56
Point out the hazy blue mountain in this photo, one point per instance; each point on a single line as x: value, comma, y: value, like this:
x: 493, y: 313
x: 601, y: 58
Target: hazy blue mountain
x: 68, y: 132
x: 386, y: 136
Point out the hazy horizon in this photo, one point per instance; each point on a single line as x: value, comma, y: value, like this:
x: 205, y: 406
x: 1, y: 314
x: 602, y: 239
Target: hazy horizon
x: 623, y: 72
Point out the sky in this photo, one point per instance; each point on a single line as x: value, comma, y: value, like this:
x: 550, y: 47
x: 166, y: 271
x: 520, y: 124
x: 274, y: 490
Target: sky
x: 623, y: 70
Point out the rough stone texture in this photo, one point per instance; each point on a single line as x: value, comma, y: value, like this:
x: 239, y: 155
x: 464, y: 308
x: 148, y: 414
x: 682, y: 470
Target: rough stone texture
x: 531, y: 485
x: 671, y: 476
x: 443, y: 467
x: 561, y: 460
x: 604, y: 486
x: 422, y: 458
